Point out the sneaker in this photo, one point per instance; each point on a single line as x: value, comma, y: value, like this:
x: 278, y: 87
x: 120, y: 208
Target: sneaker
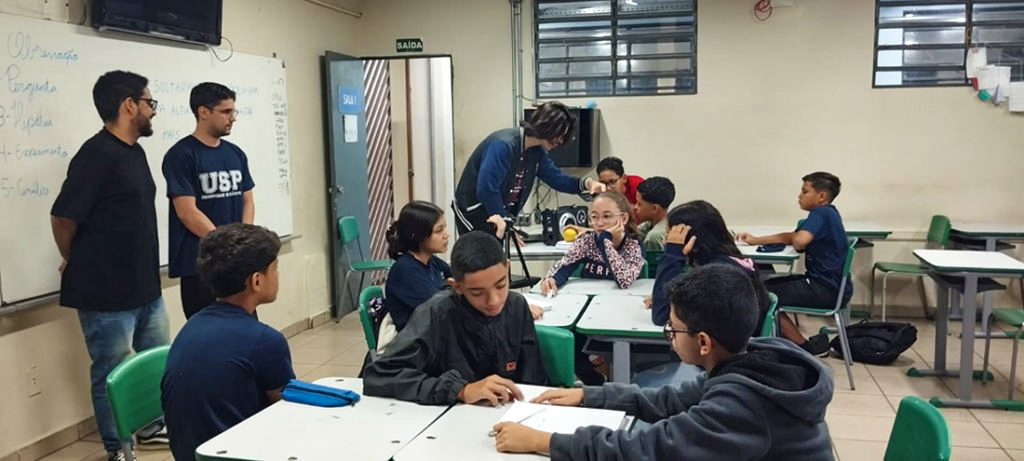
x: 816, y: 345
x: 117, y: 456
x: 157, y: 438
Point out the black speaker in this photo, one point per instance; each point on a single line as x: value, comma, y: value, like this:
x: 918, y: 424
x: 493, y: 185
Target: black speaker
x: 584, y: 149
x: 554, y: 221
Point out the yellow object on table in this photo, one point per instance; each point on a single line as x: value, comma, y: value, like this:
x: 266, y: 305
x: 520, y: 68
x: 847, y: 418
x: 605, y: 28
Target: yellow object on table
x: 569, y: 234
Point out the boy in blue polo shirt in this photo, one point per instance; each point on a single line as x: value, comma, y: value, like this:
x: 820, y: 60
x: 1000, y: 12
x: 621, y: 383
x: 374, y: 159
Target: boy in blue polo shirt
x: 225, y: 366
x: 823, y: 239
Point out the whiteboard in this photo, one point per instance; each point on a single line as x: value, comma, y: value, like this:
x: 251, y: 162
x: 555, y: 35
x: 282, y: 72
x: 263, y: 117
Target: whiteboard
x: 46, y: 113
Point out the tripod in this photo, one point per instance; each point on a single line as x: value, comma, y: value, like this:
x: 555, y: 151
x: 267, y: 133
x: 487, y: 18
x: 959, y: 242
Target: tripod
x: 510, y: 240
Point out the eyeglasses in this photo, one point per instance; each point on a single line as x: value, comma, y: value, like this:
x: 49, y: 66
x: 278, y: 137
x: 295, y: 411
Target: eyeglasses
x: 611, y: 182
x: 606, y: 217
x: 670, y: 333
x: 152, y: 102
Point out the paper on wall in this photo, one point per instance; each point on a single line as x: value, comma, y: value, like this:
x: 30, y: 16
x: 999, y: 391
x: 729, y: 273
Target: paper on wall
x: 1016, y: 97
x: 976, y: 59
x: 1002, y: 84
x: 988, y: 78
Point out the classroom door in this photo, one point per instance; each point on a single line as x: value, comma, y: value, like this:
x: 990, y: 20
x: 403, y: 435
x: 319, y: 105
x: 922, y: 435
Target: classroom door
x: 348, y: 186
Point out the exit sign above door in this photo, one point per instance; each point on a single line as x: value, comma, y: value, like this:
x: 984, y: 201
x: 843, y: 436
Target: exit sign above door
x: 409, y: 45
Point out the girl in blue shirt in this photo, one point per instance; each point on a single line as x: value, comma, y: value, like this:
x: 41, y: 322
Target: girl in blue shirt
x: 419, y: 233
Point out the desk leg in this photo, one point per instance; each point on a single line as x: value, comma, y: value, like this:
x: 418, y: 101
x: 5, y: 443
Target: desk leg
x: 941, y: 332
x: 620, y: 362
x: 990, y: 243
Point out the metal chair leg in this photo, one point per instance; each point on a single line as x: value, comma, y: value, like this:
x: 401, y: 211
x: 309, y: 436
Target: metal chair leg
x: 988, y: 343
x: 1013, y: 362
x: 885, y: 286
x: 844, y: 341
x: 871, y: 289
x: 345, y: 289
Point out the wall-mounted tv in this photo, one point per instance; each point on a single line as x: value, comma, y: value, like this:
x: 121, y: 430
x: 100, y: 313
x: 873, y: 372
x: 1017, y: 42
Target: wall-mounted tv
x: 196, y: 21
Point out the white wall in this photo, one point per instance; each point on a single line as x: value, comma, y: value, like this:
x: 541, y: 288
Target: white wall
x: 776, y: 100
x: 50, y: 338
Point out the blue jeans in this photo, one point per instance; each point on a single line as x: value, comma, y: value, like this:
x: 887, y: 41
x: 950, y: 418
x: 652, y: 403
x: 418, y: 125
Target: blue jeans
x: 110, y: 338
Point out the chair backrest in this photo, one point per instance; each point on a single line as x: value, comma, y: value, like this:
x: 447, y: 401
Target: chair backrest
x: 133, y: 389
x: 556, y: 349
x: 365, y: 296
x: 768, y: 328
x: 918, y: 434
x: 851, y: 244
x: 348, y: 229
x: 938, y: 231
x: 653, y: 257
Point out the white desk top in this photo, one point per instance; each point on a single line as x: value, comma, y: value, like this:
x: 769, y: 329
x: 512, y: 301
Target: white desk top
x: 617, y: 315
x: 750, y: 251
x: 988, y: 229
x: 866, y: 230
x: 373, y: 429
x: 461, y: 435
x: 591, y: 287
x: 539, y: 250
x: 564, y: 311
x: 970, y: 261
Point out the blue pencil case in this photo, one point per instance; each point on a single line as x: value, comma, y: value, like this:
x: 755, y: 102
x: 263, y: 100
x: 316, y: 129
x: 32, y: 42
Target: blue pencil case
x: 771, y: 248
x: 317, y: 395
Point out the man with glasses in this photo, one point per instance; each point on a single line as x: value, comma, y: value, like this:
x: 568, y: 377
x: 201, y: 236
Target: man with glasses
x: 104, y: 224
x: 208, y: 184
x: 500, y: 173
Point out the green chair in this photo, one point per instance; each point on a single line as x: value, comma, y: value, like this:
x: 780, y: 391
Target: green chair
x: 919, y: 433
x: 768, y: 328
x: 365, y: 297
x: 556, y: 349
x: 938, y: 236
x: 133, y: 389
x: 652, y: 257
x: 348, y: 230
x: 838, y: 312
x: 1014, y: 318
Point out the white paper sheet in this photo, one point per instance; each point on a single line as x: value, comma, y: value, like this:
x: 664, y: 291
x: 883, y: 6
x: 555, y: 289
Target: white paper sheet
x: 1002, y: 84
x: 563, y: 420
x: 988, y: 78
x: 976, y: 59
x: 539, y: 301
x: 1017, y: 97
x: 351, y: 126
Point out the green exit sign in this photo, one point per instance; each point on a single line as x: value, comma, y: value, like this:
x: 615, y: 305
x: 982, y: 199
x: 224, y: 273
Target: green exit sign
x: 409, y: 45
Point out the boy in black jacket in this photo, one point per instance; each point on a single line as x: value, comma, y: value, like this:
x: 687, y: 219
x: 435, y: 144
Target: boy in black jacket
x: 469, y: 344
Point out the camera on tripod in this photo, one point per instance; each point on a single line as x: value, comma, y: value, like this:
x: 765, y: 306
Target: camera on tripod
x: 553, y: 222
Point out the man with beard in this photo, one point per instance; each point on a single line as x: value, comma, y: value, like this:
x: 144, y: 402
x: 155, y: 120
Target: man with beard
x: 208, y: 184
x: 104, y: 224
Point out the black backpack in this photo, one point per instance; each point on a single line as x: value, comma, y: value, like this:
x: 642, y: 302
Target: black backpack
x: 877, y: 343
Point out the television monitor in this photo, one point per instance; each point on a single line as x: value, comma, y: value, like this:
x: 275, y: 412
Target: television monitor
x: 194, y: 21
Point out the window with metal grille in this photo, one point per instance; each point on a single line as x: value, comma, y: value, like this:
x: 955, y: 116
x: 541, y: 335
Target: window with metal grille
x: 924, y: 43
x: 615, y: 47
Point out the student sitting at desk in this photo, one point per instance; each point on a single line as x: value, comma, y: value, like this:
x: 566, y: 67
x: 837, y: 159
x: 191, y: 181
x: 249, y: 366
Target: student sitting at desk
x: 612, y: 250
x: 414, y: 240
x: 225, y: 366
x: 654, y: 196
x: 471, y: 344
x: 823, y: 238
x: 698, y: 236
x: 758, y: 399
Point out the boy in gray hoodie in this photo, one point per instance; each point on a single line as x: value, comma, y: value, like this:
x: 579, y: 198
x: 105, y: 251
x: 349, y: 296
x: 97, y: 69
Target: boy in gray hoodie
x: 762, y: 399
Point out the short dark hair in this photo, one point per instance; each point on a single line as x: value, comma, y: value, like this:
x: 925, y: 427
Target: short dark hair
x: 717, y: 299
x: 658, y: 190
x: 112, y: 88
x: 414, y: 225
x: 550, y: 121
x: 611, y: 163
x: 475, y: 251
x: 208, y: 95
x: 823, y: 181
x: 231, y: 253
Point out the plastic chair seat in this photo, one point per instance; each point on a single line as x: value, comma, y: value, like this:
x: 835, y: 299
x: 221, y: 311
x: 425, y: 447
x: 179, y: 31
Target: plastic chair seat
x: 902, y: 268
x: 1009, y: 316
x: 374, y: 264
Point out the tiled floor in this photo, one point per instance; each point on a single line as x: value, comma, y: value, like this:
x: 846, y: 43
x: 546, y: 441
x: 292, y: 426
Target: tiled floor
x: 859, y: 420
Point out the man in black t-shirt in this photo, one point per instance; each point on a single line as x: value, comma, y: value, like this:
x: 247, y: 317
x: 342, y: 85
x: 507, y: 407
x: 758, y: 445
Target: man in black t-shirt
x: 208, y: 184
x: 104, y: 224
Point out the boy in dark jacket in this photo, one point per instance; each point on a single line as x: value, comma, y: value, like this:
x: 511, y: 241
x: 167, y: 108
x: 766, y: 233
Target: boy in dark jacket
x: 469, y: 344
x: 762, y: 400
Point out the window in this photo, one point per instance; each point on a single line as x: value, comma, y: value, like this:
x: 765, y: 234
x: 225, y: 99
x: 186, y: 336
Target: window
x: 924, y: 43
x: 615, y: 47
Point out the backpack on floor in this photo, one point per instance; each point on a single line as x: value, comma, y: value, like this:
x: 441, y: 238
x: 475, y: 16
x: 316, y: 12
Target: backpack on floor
x: 877, y: 343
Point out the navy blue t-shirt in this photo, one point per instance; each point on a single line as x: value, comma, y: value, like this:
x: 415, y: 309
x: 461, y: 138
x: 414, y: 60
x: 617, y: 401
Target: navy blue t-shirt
x: 216, y: 177
x: 410, y: 283
x: 826, y: 254
x: 218, y: 371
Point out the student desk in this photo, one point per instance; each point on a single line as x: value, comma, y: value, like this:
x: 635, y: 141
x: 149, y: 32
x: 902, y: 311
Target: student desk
x: 538, y: 251
x: 621, y: 320
x: 787, y: 256
x: 593, y: 287
x: 989, y: 232
x: 373, y: 429
x: 461, y: 434
x: 970, y: 265
x: 564, y: 311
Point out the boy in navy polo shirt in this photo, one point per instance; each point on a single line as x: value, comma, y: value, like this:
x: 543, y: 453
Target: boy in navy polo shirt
x: 208, y: 183
x: 822, y: 237
x: 225, y: 366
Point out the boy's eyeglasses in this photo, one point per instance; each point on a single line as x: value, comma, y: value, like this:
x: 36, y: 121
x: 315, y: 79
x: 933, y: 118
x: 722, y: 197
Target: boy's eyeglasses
x: 670, y: 333
x: 611, y: 182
